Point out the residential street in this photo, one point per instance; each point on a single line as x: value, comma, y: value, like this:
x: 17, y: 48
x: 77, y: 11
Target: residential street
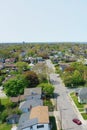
x: 65, y: 109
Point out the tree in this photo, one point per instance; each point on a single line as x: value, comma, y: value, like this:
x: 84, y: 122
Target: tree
x: 22, y: 66
x: 47, y: 88
x: 67, y: 78
x: 40, y: 70
x: 15, y: 86
x: 77, y: 78
x: 32, y: 78
x: 78, y: 66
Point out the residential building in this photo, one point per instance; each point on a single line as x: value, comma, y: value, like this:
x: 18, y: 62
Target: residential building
x: 82, y: 95
x: 36, y: 119
x: 32, y: 93
x: 26, y: 106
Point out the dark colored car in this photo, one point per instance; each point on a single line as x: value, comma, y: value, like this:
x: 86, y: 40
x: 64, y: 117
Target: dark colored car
x: 77, y: 121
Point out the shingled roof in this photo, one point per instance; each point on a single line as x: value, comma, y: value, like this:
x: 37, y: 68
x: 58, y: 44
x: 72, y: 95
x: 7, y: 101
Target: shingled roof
x: 32, y: 91
x: 83, y: 93
x: 28, y: 103
x: 40, y: 112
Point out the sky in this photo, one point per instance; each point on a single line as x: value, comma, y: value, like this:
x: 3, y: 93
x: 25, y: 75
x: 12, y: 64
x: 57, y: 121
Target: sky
x: 43, y: 21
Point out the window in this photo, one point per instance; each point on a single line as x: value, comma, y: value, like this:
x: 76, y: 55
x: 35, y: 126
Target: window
x: 40, y: 126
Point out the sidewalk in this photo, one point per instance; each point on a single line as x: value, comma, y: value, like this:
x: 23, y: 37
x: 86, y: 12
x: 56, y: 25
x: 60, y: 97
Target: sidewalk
x: 56, y: 115
x: 58, y: 122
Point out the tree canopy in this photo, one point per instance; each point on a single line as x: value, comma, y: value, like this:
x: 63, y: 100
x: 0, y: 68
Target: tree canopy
x: 47, y: 88
x: 15, y: 86
x: 22, y: 66
x: 75, y: 75
x: 32, y: 78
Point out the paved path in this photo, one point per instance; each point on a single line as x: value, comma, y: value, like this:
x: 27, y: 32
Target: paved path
x: 65, y: 110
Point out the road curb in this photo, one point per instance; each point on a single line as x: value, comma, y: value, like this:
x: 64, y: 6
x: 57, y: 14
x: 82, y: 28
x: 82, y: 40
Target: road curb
x: 76, y: 109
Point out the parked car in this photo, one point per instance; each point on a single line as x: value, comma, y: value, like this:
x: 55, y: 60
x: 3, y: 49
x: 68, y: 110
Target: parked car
x: 77, y: 121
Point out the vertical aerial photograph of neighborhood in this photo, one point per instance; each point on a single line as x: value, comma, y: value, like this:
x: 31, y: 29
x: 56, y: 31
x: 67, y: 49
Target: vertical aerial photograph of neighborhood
x: 43, y: 65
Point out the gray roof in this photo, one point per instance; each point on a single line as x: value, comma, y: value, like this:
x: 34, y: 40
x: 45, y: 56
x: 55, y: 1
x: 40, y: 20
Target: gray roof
x: 12, y: 116
x: 32, y: 91
x: 24, y: 117
x: 83, y: 93
x: 25, y: 122
x: 28, y: 103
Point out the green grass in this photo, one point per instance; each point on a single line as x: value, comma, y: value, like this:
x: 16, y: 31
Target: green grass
x: 5, y: 101
x: 72, y: 94
x: 75, y: 99
x: 5, y: 126
x: 79, y: 106
x: 81, y: 109
x: 49, y: 104
x: 53, y: 123
x: 84, y: 115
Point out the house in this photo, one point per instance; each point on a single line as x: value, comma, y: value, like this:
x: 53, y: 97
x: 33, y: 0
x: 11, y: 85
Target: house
x: 17, y: 99
x: 2, y: 60
x: 32, y: 93
x: 63, y: 66
x: 82, y: 95
x: 11, y: 66
x: 10, y: 60
x: 12, y: 119
x: 37, y: 118
x: 39, y: 59
x: 1, y: 65
x: 27, y: 105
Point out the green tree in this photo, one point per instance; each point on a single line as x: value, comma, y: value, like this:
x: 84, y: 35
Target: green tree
x: 32, y: 78
x: 77, y: 78
x: 78, y: 66
x: 22, y: 66
x: 40, y: 70
x: 47, y: 88
x: 15, y: 86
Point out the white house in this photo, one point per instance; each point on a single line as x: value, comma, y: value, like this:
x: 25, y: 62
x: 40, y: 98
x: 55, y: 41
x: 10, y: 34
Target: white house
x: 37, y: 119
x: 82, y: 95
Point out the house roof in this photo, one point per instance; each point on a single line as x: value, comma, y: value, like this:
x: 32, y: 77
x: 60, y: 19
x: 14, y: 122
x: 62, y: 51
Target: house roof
x: 28, y: 103
x: 27, y: 123
x: 24, y: 121
x: 83, y: 93
x: 12, y: 116
x: 32, y: 91
x: 37, y: 115
x: 24, y: 117
x: 40, y: 112
x: 16, y: 99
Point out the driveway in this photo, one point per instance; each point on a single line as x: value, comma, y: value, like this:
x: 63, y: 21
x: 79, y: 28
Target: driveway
x: 66, y: 111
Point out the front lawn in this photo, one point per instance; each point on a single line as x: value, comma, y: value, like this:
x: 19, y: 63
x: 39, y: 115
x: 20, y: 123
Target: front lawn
x: 49, y: 104
x: 5, y: 101
x: 75, y: 99
x: 84, y: 115
x: 5, y: 126
x: 79, y: 105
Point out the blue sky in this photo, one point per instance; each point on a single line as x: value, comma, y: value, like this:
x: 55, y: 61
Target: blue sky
x: 43, y: 20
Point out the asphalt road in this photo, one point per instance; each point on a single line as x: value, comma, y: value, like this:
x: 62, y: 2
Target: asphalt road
x: 66, y: 110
